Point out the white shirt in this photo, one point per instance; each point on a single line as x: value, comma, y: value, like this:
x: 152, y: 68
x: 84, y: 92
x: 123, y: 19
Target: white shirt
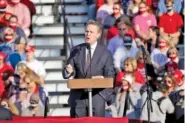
x: 122, y: 53
x: 37, y: 67
x: 93, y: 47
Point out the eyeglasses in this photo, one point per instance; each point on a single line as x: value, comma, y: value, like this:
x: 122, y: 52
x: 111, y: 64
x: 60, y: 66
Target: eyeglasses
x: 122, y: 29
x: 168, y: 81
x: 172, y: 53
x: 126, y: 64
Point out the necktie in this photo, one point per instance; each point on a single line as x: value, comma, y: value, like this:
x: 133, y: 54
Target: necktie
x: 88, y: 58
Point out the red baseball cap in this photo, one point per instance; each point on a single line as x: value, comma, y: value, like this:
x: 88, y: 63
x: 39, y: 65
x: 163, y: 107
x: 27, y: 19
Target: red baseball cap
x: 178, y: 76
x: 30, y: 49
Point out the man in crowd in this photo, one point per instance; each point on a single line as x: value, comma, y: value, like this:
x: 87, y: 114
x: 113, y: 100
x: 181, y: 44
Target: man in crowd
x: 79, y: 67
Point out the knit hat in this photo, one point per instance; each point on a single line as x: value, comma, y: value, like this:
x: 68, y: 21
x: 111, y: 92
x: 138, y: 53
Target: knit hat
x: 128, y: 78
x: 3, y: 5
x: 20, y: 40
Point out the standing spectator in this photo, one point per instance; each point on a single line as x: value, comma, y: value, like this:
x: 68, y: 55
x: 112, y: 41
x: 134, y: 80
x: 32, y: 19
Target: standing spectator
x: 22, y: 12
x: 163, y: 9
x: 128, y: 49
x: 159, y: 55
x: 170, y: 83
x: 19, y: 54
x: 174, y: 20
x: 34, y: 64
x: 128, y: 99
x: 35, y: 109
x: 179, y: 77
x: 104, y: 11
x: 133, y: 7
x: 13, y: 23
x: 161, y: 104
x: 143, y: 21
x: 8, y: 36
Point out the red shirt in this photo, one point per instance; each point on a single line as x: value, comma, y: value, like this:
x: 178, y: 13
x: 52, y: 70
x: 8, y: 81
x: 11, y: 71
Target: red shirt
x: 4, y: 19
x: 99, y: 3
x: 170, y: 23
x: 138, y: 78
x: 171, y: 66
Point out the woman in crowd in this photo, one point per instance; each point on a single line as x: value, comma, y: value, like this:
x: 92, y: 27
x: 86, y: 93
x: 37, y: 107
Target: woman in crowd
x: 143, y: 21
x: 173, y: 61
x: 159, y: 55
x: 127, y: 99
x: 8, y: 39
x: 130, y: 67
x: 22, y: 12
x: 170, y: 82
x: 141, y: 65
x: 133, y: 7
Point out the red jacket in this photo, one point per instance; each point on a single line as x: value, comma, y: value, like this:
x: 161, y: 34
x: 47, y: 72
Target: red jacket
x: 138, y: 78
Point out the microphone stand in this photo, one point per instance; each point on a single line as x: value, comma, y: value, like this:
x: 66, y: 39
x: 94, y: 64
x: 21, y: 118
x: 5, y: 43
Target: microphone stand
x: 149, y: 91
x: 90, y: 89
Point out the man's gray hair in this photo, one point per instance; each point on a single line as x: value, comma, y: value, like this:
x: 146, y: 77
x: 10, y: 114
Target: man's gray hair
x: 96, y: 23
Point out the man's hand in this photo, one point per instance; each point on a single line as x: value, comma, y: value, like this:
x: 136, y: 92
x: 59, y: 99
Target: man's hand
x: 69, y: 69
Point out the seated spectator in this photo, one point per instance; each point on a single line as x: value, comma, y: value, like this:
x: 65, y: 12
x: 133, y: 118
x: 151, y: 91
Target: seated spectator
x: 133, y: 7
x: 128, y: 99
x: 179, y: 77
x: 170, y: 83
x: 159, y: 55
x: 143, y: 21
x: 177, y: 99
x: 111, y: 19
x: 128, y: 49
x: 34, y: 109
x: 161, y: 104
x: 19, y: 54
x: 141, y: 65
x: 22, y: 12
x: 153, y: 35
x: 13, y: 23
x: 32, y: 10
x: 3, y: 66
x: 104, y: 11
x: 124, y: 26
x: 163, y: 9
x: 34, y: 64
x: 174, y: 20
x: 173, y: 61
x: 4, y: 16
x: 8, y: 37
x: 130, y: 67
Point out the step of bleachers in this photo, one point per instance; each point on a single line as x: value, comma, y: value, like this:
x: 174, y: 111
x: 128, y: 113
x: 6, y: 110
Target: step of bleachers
x: 56, y: 30
x: 58, y: 1
x: 59, y: 111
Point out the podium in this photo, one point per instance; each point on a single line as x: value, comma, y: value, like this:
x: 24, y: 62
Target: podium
x: 90, y: 84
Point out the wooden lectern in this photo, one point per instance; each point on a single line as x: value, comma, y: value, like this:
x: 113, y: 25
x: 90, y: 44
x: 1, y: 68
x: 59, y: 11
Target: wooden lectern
x: 90, y: 84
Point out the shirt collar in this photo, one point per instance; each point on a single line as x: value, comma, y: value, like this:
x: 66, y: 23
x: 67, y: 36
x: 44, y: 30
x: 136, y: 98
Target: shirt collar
x: 93, y: 46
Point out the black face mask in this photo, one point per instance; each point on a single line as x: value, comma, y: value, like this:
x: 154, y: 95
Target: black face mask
x: 169, y: 8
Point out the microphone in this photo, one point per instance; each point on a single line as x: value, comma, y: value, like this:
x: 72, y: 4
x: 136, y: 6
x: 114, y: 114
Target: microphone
x: 143, y: 49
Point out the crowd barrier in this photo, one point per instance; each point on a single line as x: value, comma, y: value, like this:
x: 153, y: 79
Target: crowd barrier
x: 63, y: 119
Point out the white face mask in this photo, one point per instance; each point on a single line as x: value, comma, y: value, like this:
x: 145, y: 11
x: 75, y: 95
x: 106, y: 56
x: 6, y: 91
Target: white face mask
x: 33, y: 105
x: 135, y: 10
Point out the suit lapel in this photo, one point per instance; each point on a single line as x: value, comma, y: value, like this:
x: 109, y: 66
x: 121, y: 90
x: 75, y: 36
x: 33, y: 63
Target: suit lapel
x: 83, y: 59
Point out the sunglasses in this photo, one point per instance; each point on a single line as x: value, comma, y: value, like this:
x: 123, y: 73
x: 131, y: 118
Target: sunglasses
x: 122, y: 29
x: 168, y: 81
x: 172, y: 53
x: 115, y: 8
x: 126, y: 64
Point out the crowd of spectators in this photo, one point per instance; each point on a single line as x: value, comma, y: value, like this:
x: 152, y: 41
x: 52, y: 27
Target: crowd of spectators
x: 143, y: 36
x: 21, y: 74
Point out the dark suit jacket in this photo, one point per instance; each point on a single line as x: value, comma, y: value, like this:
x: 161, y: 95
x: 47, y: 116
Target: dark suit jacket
x: 102, y: 64
x: 5, y: 114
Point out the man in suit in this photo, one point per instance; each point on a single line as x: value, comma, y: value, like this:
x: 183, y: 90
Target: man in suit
x: 79, y: 67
